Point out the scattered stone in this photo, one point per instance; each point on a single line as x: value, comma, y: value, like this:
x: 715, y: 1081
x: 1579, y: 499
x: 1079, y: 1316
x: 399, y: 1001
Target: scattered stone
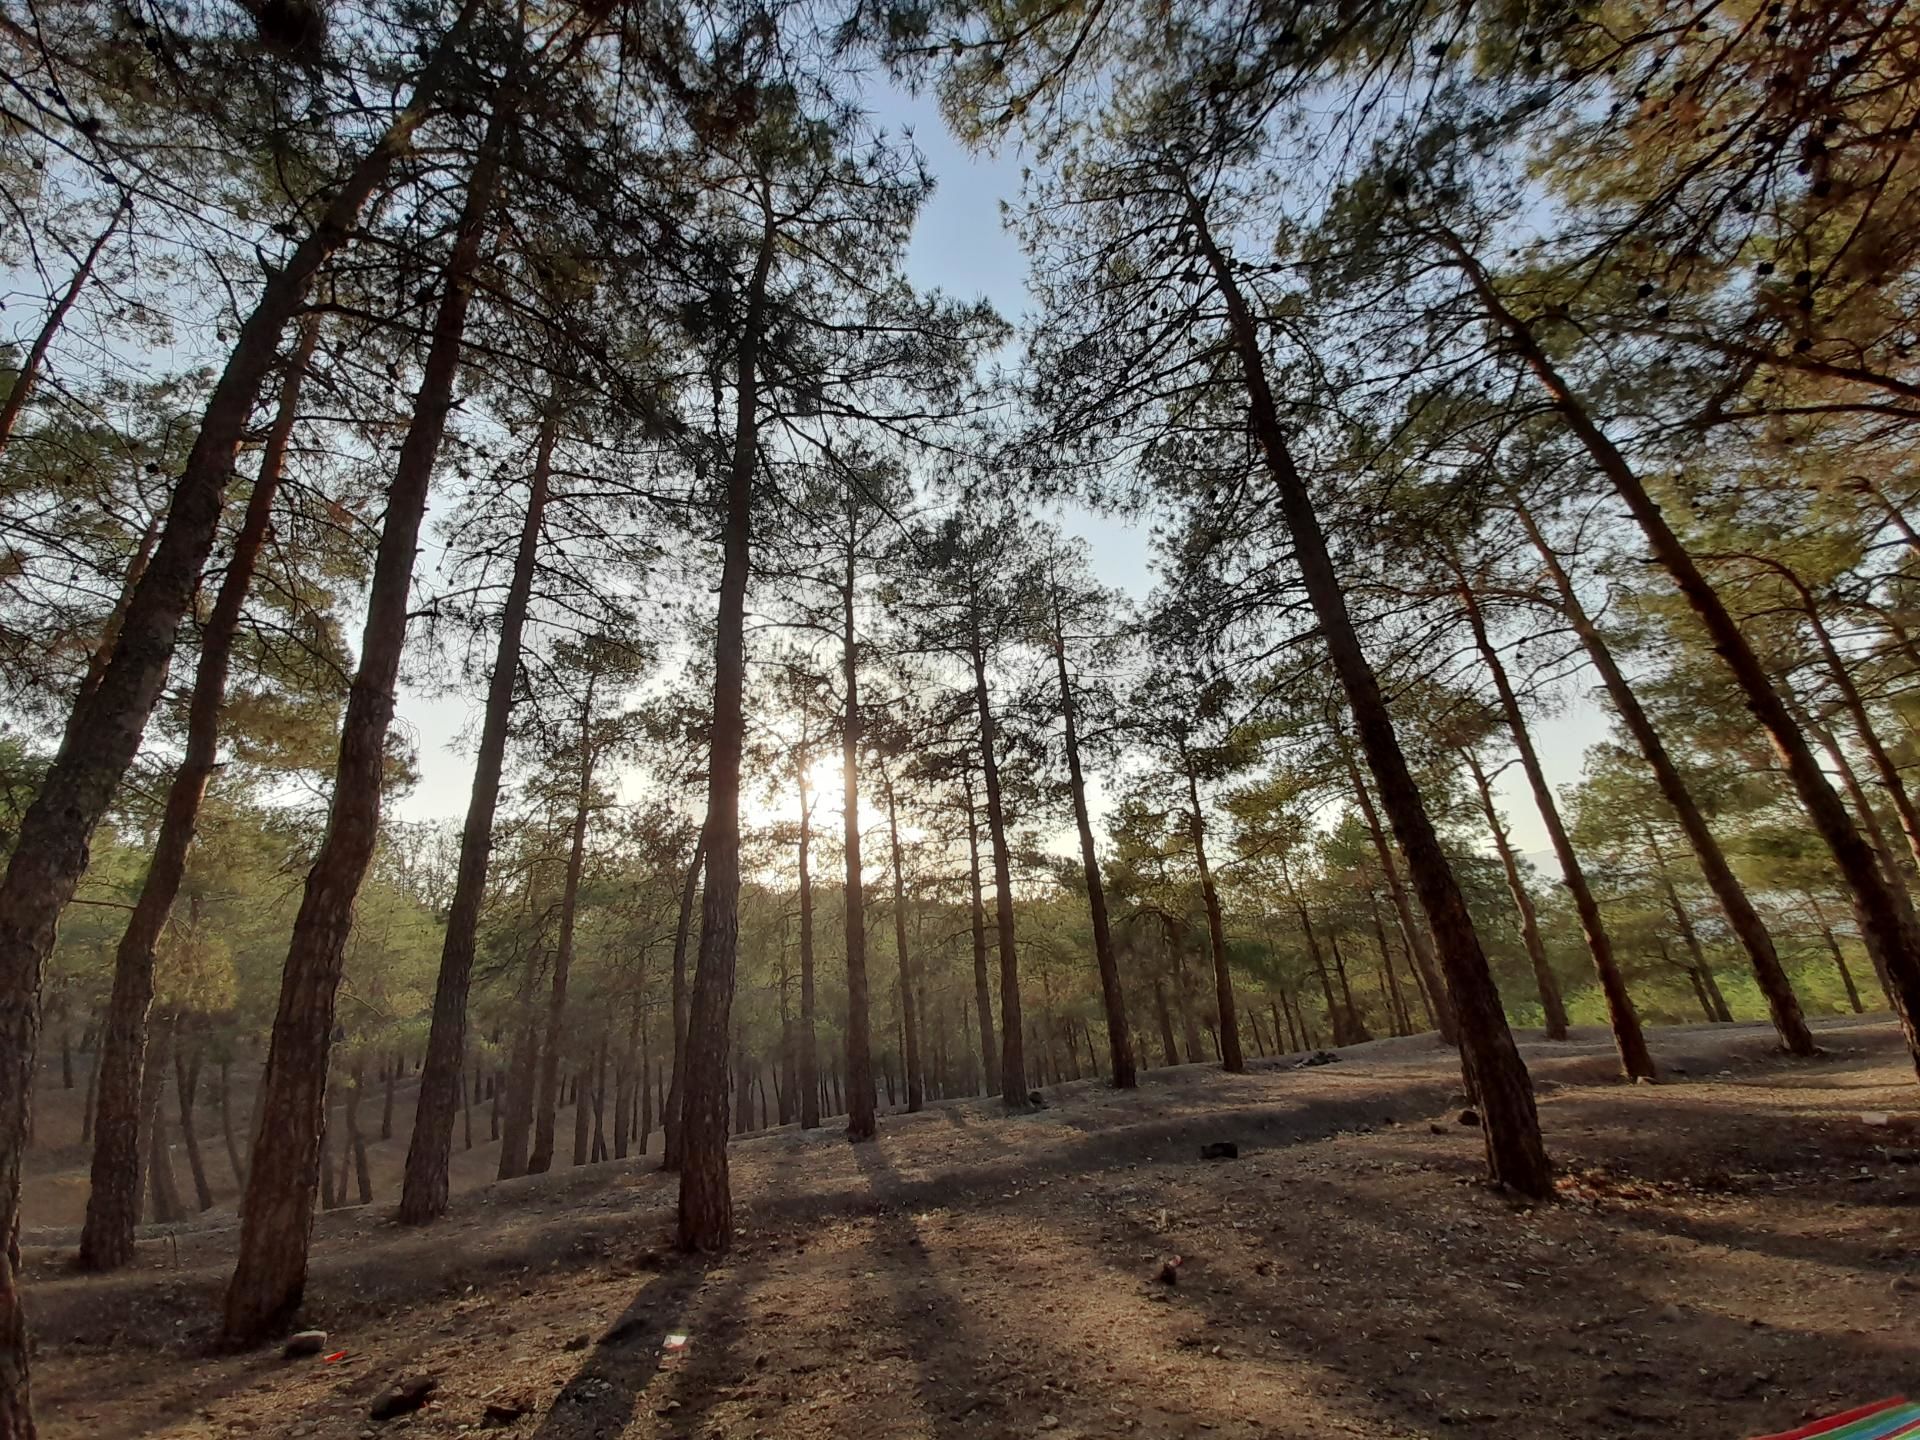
x: 1433, y: 1129
x: 504, y: 1412
x: 578, y: 1342
x: 1905, y: 1285
x: 1469, y: 1117
x: 1049, y: 1422
x: 403, y: 1397
x: 304, y: 1342
x: 1319, y: 1057
x: 1220, y: 1150
x: 1036, y: 1099
x: 1875, y: 1118
x: 1169, y: 1272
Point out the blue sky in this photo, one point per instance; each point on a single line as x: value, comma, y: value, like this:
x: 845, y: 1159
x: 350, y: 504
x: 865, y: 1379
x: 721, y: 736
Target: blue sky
x: 961, y: 246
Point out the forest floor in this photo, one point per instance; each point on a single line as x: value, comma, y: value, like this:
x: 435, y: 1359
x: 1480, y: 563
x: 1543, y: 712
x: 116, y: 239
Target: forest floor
x: 1732, y: 1251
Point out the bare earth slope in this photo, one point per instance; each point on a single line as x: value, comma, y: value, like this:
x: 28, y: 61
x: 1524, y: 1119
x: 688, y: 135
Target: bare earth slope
x: 1733, y: 1250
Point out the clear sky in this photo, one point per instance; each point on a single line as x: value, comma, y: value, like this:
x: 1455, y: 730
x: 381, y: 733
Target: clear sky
x: 961, y: 246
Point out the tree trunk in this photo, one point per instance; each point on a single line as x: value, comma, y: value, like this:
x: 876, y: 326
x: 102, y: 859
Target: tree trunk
x: 807, y: 1062
x: 545, y: 1118
x: 1745, y: 921
x: 186, y: 1076
x: 1628, y: 1038
x: 28, y: 374
x: 1432, y: 994
x: 276, y: 1214
x: 1396, y: 1002
x: 522, y: 1075
x: 982, y: 991
x: 909, y: 1027
x: 1013, y: 1061
x: 107, y: 722
x: 116, y: 1140
x: 1552, y: 1007
x: 1231, y: 1059
x: 706, y: 1199
x: 1887, y: 926
x: 1510, y: 1128
x: 234, y: 1163
x: 860, y: 1098
x: 166, y: 1208
x: 670, y: 1106
x: 1112, y: 998
x: 423, y: 1194
x: 1839, y: 961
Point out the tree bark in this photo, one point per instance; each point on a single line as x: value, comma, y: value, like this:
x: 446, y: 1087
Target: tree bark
x: 28, y: 374
x: 982, y: 990
x: 1782, y: 1004
x: 706, y: 1199
x: 807, y: 1062
x: 106, y: 1238
x: 670, y: 1105
x: 235, y: 1164
x: 1839, y: 960
x: 1433, y: 994
x: 861, y: 1100
x: 1112, y: 998
x: 545, y: 1119
x: 107, y: 722
x: 1516, y: 1156
x: 166, y: 1208
x: 1552, y: 1007
x: 1231, y: 1060
x: 909, y: 1021
x: 1887, y: 926
x: 186, y: 1076
x: 1013, y: 1061
x: 277, y: 1212
x: 1628, y: 1038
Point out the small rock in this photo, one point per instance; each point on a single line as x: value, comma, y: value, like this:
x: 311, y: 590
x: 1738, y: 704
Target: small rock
x: 1433, y: 1129
x: 503, y: 1412
x: 1875, y: 1117
x: 1169, y: 1272
x: 1036, y: 1099
x: 1469, y: 1117
x: 403, y: 1397
x: 304, y: 1342
x: 578, y: 1342
x: 1049, y: 1422
x: 1905, y: 1285
x: 1220, y: 1150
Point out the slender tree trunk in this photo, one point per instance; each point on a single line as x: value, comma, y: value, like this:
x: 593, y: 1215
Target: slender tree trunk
x: 670, y: 1105
x: 28, y: 375
x: 1552, y: 1007
x: 1112, y: 997
x: 106, y: 1238
x: 807, y: 1062
x: 356, y: 1139
x: 1169, y: 1051
x: 1231, y: 1060
x: 706, y: 1199
x: 909, y: 1027
x: 585, y: 1099
x: 626, y: 1080
x: 541, y: 1160
x: 425, y: 1187
x: 982, y: 991
x: 1876, y: 836
x: 1433, y: 995
x: 1887, y: 926
x: 1839, y: 959
x: 1742, y: 918
x: 1516, y: 1156
x: 106, y: 725
x: 234, y: 1163
x: 1013, y: 1060
x: 166, y: 1208
x: 516, y: 1126
x: 277, y: 1211
x: 467, y: 1087
x: 861, y: 1099
x: 1635, y: 1058
x: 1396, y: 1002
x: 390, y: 1069
x: 186, y: 1075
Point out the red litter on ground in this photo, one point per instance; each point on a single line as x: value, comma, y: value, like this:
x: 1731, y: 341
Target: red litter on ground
x: 334, y: 1358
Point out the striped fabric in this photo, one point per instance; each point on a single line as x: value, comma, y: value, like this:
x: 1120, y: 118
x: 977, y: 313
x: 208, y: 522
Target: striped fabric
x: 1882, y: 1420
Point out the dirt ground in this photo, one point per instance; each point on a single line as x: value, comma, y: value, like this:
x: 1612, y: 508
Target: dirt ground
x: 1732, y: 1251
